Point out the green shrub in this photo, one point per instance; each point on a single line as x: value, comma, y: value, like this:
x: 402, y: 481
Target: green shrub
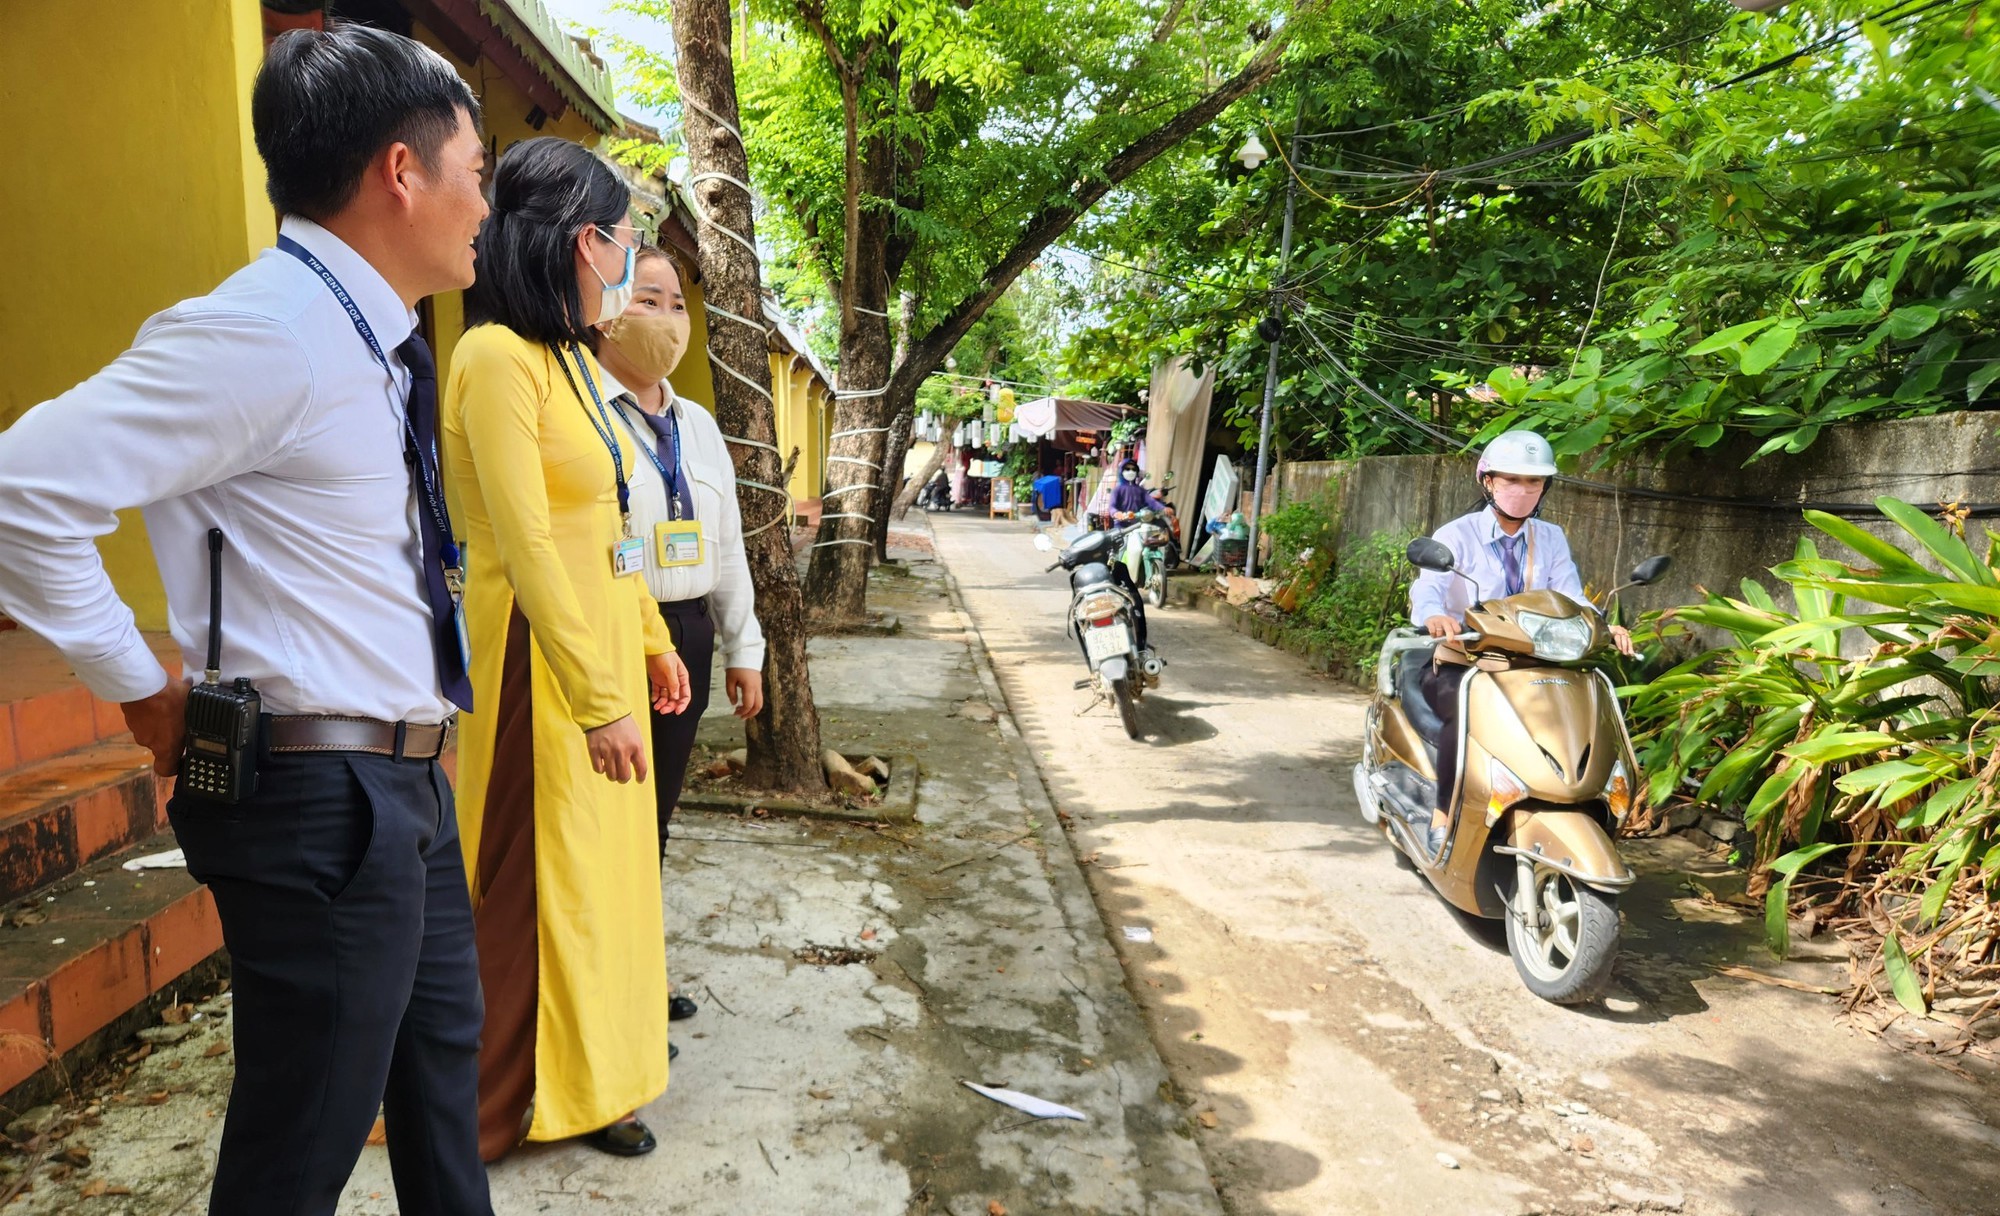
x: 1308, y: 525
x: 1870, y: 779
x: 1353, y: 609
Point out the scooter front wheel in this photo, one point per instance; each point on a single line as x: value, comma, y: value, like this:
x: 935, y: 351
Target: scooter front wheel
x: 1156, y: 587
x: 1563, y: 935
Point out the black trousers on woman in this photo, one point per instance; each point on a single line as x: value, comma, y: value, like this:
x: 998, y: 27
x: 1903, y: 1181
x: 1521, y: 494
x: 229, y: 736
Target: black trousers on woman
x: 693, y: 630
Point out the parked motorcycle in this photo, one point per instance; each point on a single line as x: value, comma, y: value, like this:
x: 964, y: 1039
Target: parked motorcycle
x: 1104, y: 602
x: 1545, y: 776
x: 935, y: 496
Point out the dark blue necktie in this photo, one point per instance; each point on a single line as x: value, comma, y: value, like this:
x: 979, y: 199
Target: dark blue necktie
x: 666, y: 432
x: 422, y: 459
x: 1510, y: 560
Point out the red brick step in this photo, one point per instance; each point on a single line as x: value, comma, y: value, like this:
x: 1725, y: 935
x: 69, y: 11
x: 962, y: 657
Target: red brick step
x: 44, y: 711
x: 71, y: 810
x: 77, y: 957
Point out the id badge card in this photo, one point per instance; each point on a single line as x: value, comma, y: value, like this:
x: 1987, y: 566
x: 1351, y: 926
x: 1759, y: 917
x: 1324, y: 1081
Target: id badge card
x: 454, y: 581
x: 678, y: 543
x: 628, y: 557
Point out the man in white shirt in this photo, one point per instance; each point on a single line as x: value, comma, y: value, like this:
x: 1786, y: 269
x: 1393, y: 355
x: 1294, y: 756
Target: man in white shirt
x: 1502, y: 549
x: 293, y: 409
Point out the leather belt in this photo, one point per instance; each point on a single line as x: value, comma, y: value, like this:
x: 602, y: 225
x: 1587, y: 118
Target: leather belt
x: 329, y: 733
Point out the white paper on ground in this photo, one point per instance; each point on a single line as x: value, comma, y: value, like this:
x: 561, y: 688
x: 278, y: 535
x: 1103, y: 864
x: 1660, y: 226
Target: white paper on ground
x: 1138, y: 933
x: 172, y: 859
x: 1027, y: 1104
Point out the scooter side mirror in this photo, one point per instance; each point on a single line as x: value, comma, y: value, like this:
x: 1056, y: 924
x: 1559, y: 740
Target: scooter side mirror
x: 1043, y: 542
x: 1652, y: 570
x: 1428, y: 553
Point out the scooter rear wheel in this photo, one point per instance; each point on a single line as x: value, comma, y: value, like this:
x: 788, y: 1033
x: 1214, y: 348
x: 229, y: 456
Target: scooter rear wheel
x: 1128, y: 708
x: 1567, y: 959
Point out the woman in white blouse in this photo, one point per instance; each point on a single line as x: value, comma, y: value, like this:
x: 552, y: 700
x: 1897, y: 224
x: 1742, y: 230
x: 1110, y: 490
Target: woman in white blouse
x: 684, y: 508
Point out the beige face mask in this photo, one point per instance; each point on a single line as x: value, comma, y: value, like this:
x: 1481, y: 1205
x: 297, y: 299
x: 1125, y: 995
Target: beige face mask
x: 652, y: 344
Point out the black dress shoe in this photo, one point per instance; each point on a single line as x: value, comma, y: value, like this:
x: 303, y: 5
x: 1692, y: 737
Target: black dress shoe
x: 673, y: 1053
x: 680, y: 1009
x: 625, y: 1138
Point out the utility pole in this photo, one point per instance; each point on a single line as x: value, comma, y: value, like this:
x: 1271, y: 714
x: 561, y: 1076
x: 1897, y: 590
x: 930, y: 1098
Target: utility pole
x: 1271, y: 329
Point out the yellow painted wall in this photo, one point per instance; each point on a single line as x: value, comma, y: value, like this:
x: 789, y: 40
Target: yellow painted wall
x: 694, y: 378
x: 504, y: 115
x: 810, y: 478
x: 133, y: 183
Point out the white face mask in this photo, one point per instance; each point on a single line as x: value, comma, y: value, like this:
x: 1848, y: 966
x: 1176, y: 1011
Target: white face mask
x: 1129, y: 475
x: 617, y: 297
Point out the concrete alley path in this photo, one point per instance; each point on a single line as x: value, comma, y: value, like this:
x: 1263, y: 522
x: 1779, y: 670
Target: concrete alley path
x: 849, y: 977
x: 1351, y: 1045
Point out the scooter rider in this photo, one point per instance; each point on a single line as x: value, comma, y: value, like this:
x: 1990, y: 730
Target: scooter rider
x: 1504, y: 549
x: 1128, y: 498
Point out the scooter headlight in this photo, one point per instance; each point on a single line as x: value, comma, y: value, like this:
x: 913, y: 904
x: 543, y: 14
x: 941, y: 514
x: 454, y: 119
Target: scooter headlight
x: 1618, y: 792
x: 1504, y: 789
x: 1561, y: 639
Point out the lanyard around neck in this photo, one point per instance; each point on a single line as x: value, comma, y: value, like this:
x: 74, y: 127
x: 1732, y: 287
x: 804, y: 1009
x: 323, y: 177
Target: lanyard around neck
x: 601, y: 423
x: 426, y: 462
x: 670, y: 476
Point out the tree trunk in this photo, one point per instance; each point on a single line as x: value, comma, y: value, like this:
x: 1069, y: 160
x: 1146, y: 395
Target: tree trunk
x: 892, y: 479
x: 856, y: 477
x: 784, y: 744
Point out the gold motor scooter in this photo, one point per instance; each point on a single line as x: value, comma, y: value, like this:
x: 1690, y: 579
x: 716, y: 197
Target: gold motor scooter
x: 1544, y: 778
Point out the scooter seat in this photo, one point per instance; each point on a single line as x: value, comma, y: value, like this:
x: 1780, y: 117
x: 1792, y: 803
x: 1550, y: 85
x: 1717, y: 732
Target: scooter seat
x: 1417, y: 706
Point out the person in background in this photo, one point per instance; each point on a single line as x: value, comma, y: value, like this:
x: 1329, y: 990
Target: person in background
x: 293, y: 409
x: 1048, y: 490
x: 558, y: 813
x: 684, y: 507
x: 1130, y: 496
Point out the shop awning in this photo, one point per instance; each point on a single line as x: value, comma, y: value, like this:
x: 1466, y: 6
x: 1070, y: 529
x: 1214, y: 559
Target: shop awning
x: 1046, y: 417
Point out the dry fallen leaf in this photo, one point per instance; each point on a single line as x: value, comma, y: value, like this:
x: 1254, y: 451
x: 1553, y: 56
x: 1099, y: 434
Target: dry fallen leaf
x: 94, y: 1188
x: 995, y: 1208
x: 868, y: 935
x: 215, y: 1049
x: 1584, y: 1144
x: 175, y: 1015
x: 822, y: 1094
x: 1319, y: 987
x: 1207, y: 1118
x: 157, y: 1098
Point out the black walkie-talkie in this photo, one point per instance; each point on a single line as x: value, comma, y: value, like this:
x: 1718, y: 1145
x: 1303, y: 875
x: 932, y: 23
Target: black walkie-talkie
x: 220, y: 762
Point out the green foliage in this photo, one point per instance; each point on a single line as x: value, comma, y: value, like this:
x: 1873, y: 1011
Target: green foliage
x: 1703, y: 259
x: 1859, y: 726
x: 1365, y: 597
x: 969, y: 116
x: 1828, y: 247
x: 1308, y: 526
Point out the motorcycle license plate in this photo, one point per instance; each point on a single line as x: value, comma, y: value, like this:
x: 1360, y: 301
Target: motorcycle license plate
x: 1103, y: 642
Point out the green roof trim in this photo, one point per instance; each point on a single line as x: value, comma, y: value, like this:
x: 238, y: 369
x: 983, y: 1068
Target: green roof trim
x: 536, y: 33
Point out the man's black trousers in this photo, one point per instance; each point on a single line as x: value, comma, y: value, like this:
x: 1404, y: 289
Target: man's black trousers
x: 1441, y: 685
x: 343, y: 903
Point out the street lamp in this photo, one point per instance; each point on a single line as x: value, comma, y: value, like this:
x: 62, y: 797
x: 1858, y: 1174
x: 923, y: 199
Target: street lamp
x: 1252, y: 153
x: 1271, y: 329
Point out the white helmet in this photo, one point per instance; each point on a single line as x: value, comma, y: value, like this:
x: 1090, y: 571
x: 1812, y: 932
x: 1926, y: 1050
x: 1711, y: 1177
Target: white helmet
x: 1522, y: 453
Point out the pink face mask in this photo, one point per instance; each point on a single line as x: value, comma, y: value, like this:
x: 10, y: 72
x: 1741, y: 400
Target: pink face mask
x: 1517, y: 501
